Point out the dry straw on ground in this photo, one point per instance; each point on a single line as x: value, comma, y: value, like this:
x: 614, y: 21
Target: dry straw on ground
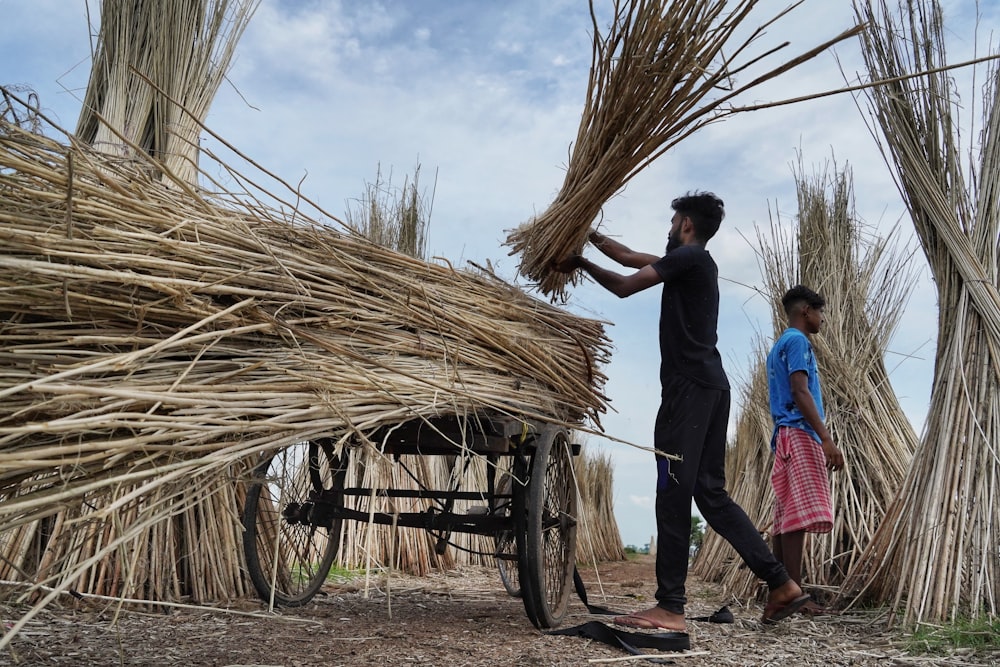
x: 865, y: 282
x: 935, y: 556
x: 659, y: 72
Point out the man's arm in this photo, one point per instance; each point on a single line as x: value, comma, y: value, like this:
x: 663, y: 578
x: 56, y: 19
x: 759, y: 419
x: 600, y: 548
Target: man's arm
x: 619, y: 285
x: 807, y: 406
x: 620, y: 252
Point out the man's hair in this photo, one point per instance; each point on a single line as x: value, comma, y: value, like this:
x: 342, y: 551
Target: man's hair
x: 705, y: 210
x: 801, y: 295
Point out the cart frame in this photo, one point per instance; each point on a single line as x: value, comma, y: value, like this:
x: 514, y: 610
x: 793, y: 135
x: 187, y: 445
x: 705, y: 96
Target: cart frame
x: 297, y: 502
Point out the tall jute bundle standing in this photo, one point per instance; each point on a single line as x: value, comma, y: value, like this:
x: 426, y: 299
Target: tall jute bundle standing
x: 182, y: 47
x: 155, y: 340
x: 865, y: 281
x: 934, y: 557
x: 598, y: 536
x: 662, y: 70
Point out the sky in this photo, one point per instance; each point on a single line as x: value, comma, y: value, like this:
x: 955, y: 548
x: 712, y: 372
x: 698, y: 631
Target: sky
x: 487, y: 97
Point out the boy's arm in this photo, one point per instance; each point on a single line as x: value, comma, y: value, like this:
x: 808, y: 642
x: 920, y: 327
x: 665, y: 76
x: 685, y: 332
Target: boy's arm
x: 619, y: 285
x: 807, y: 406
x: 620, y: 252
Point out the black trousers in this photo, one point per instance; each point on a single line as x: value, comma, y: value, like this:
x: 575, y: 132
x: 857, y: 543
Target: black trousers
x: 692, y: 423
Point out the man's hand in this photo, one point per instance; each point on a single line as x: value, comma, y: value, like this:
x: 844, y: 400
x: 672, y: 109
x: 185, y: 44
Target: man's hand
x: 834, y: 457
x: 568, y: 264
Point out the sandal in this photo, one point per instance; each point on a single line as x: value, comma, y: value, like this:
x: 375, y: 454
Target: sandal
x: 779, y: 612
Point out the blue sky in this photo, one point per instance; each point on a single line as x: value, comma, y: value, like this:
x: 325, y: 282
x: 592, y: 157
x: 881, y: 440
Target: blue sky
x: 489, y: 96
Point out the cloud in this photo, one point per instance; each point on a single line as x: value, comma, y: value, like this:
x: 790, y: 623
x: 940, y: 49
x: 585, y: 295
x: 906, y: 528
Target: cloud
x: 643, y: 502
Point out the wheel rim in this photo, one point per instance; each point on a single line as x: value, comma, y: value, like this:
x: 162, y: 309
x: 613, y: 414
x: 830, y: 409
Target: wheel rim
x: 507, y: 563
x: 558, y: 528
x: 506, y: 544
x: 287, y: 556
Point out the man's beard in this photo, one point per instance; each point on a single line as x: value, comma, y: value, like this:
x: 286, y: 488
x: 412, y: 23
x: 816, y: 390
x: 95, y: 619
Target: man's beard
x: 673, y: 242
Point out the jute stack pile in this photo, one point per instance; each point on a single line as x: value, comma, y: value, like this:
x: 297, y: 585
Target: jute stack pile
x: 398, y: 218
x: 598, y: 536
x: 154, y: 341
x: 935, y: 555
x: 184, y: 48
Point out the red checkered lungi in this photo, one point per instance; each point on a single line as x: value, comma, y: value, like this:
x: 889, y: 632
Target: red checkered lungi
x: 801, y: 484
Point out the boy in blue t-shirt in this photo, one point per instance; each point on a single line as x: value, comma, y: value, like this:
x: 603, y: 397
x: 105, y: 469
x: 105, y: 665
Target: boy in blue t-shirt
x: 802, y: 446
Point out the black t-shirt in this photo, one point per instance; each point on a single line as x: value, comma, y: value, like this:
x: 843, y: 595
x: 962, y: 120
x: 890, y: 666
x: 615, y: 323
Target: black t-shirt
x: 689, y: 317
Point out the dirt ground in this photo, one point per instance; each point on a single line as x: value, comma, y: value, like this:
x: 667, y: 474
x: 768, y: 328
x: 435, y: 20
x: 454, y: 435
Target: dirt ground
x: 453, y: 618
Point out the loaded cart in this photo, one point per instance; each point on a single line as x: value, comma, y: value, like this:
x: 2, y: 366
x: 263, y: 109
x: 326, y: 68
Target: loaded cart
x: 298, y: 500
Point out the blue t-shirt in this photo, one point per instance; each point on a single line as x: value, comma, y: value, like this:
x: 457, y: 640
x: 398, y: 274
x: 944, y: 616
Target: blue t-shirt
x: 792, y: 352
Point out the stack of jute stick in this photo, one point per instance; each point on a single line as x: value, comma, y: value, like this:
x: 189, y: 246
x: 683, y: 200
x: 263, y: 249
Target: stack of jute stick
x: 154, y: 341
x: 934, y: 558
x: 184, y: 47
x: 598, y: 536
x: 660, y: 71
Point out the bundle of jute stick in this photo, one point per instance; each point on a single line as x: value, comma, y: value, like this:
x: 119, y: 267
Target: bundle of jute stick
x: 598, y: 536
x: 935, y: 555
x: 184, y: 48
x: 155, y: 340
x: 865, y: 281
x: 662, y: 70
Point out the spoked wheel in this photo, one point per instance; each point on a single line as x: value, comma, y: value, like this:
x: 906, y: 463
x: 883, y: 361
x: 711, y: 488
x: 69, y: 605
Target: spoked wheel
x: 547, y: 544
x: 506, y: 543
x: 290, y: 539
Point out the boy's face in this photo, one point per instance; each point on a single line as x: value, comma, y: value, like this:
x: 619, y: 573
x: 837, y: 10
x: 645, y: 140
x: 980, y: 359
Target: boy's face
x: 814, y: 318
x: 674, y: 237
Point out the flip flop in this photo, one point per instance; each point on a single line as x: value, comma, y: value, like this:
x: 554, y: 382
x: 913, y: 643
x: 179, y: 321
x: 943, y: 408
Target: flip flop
x: 774, y: 613
x: 630, y: 641
x: 641, y: 623
x: 723, y: 615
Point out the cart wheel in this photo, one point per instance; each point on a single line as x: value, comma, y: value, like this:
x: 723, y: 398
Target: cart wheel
x: 288, y: 544
x: 506, y: 544
x: 547, y: 544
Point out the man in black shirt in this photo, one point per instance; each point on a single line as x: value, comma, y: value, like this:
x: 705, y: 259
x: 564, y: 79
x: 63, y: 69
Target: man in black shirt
x: 694, y: 410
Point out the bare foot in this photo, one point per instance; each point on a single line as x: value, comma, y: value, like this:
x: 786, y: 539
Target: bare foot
x: 656, y: 618
x: 784, y: 594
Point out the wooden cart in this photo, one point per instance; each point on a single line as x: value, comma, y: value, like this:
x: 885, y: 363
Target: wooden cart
x: 297, y: 502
